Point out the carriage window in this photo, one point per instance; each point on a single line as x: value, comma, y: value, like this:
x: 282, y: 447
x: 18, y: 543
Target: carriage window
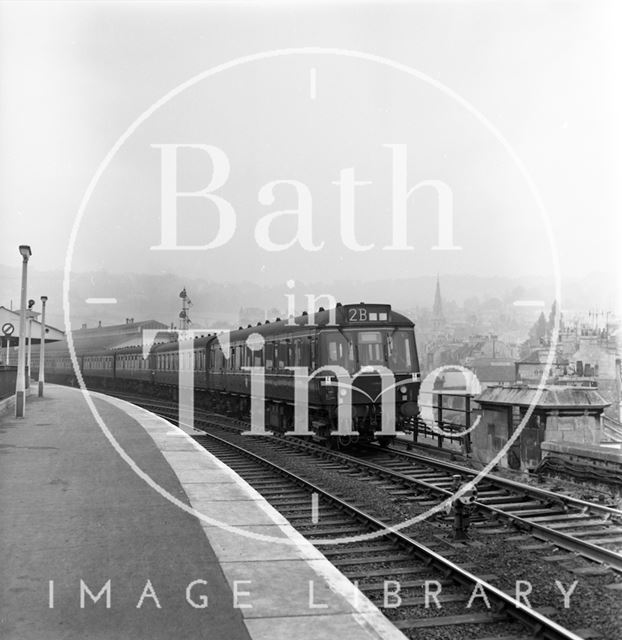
x: 281, y: 355
x: 291, y: 354
x: 257, y: 358
x: 269, y: 349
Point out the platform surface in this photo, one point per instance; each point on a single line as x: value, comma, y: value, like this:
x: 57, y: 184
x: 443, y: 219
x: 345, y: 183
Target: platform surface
x: 80, y: 517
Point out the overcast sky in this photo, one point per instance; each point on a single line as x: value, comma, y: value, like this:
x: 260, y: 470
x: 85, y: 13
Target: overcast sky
x: 75, y: 76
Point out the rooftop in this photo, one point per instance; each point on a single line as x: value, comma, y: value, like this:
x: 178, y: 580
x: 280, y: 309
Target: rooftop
x: 552, y: 396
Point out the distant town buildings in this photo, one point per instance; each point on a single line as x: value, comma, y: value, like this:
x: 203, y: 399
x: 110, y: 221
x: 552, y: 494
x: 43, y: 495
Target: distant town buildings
x: 505, y: 347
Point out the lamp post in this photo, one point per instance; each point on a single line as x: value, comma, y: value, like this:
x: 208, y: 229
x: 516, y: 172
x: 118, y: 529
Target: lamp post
x: 30, y: 314
x: 20, y: 390
x: 44, y: 299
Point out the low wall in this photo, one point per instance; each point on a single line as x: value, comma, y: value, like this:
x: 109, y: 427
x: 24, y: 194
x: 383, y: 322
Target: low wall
x: 605, y: 457
x: 8, y: 376
x: 599, y: 466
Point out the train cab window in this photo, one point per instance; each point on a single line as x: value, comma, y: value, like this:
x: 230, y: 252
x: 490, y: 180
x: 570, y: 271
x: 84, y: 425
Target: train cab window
x: 232, y: 359
x: 336, y: 350
x: 401, y: 347
x: 370, y: 348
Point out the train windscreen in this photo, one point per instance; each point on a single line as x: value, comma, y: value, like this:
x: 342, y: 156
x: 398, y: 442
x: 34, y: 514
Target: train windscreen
x: 402, y: 356
x: 353, y: 349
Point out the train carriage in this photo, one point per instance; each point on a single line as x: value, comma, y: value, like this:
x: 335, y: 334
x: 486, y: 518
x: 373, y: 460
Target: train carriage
x: 360, y: 340
x: 350, y: 351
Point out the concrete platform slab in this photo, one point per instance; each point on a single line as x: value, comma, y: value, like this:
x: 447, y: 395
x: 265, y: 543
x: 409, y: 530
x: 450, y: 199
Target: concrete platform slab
x: 218, y: 491
x: 230, y: 547
x: 190, y: 476
x: 271, y: 589
x: 344, y: 626
x: 186, y: 461
x: 236, y: 512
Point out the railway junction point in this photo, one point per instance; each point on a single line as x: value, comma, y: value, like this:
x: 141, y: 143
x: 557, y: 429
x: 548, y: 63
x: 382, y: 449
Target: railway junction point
x: 74, y: 513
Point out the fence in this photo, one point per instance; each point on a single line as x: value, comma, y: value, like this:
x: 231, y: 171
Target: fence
x: 460, y: 419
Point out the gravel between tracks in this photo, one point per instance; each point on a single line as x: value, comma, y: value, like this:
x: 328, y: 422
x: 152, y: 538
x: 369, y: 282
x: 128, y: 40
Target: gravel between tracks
x: 592, y: 605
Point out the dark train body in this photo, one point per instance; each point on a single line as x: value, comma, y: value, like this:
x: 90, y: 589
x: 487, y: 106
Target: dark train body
x: 356, y: 338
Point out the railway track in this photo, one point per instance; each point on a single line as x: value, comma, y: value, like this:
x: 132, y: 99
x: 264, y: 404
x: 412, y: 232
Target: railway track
x: 589, y: 529
x: 408, y: 581
x: 380, y: 555
x: 577, y: 528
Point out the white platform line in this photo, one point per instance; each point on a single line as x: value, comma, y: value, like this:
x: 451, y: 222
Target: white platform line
x: 101, y: 301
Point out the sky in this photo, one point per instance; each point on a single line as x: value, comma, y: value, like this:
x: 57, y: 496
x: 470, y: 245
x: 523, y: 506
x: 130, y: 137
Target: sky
x: 470, y: 102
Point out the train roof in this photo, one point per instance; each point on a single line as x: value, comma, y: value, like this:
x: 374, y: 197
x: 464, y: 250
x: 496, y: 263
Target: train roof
x: 340, y: 317
x: 323, y: 319
x: 359, y: 316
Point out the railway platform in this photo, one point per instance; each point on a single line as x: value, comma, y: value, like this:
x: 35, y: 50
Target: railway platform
x: 117, y: 524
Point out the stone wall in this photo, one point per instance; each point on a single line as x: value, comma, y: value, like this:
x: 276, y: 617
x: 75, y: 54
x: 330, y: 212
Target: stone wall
x: 583, y: 429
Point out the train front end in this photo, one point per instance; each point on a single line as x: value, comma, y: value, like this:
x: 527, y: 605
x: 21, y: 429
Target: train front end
x: 370, y: 362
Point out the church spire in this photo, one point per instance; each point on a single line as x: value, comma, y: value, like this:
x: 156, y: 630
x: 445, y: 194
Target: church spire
x: 437, y: 308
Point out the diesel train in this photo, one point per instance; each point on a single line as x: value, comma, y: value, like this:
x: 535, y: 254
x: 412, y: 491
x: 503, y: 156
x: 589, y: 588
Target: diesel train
x: 356, y: 351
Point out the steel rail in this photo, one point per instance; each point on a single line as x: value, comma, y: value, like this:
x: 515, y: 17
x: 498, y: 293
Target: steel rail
x: 539, y: 624
x: 540, y: 531
x: 512, y: 484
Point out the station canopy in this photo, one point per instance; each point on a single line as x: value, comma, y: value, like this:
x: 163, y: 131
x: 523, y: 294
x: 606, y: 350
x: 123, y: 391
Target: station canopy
x: 9, y: 328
